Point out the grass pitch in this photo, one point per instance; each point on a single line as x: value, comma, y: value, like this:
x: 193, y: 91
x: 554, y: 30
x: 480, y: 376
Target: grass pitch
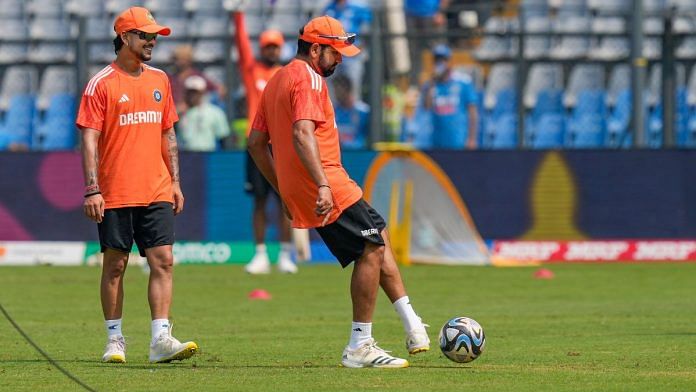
x: 593, y: 327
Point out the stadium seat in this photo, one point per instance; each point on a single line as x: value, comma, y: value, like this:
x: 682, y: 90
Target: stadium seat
x: 500, y: 132
x: 115, y: 7
x: 653, y: 7
x: 548, y: 132
x: 19, y: 119
x: 686, y: 49
x: 688, y: 6
x: 572, y: 8
x: 102, y: 52
x: 56, y: 80
x: 286, y: 17
x: 502, y: 76
x: 610, y: 7
x: 208, y: 51
x: 100, y: 27
x: 56, y: 130
x: 47, y: 29
x: 542, y: 76
x: 18, y: 80
x: 207, y: 7
x: 13, y: 29
x: 618, y: 120
x: 583, y: 77
x: 654, y: 84
x: 585, y: 131
x: 534, y: 8
x: 683, y: 25
x: 549, y: 101
x: 537, y: 46
x: 160, y: 8
x: 45, y: 8
x: 50, y: 52
x: 571, y: 46
x: 178, y: 25
x: 91, y: 8
x: 496, y: 44
x: 203, y: 26
x: 12, y: 9
x: 619, y: 81
x: 163, y: 52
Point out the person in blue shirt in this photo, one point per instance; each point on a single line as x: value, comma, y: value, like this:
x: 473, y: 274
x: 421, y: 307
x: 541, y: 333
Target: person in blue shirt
x: 451, y: 98
x: 355, y: 16
x: 352, y: 115
x: 423, y: 17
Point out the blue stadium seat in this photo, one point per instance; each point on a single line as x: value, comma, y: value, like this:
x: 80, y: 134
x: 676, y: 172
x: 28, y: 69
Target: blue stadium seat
x: 505, y: 103
x: 500, y: 131
x: 548, y: 131
x: 549, y: 101
x: 19, y: 119
x: 56, y: 129
x: 618, y: 121
x: 585, y: 131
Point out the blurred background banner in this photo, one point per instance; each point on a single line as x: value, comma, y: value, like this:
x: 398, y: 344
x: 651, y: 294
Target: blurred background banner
x: 530, y: 195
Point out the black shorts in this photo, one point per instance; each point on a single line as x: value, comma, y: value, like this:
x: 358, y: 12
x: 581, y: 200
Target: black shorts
x: 346, y: 237
x: 149, y: 226
x: 256, y: 184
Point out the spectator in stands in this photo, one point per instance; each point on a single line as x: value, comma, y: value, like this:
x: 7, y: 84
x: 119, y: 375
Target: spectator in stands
x: 204, y: 124
x: 423, y: 17
x: 417, y: 123
x: 352, y: 115
x: 255, y: 74
x: 452, y: 100
x: 355, y: 17
x: 182, y: 69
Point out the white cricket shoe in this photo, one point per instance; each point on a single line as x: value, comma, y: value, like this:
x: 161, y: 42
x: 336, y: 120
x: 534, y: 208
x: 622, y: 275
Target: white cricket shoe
x: 115, y: 351
x: 286, y: 265
x: 370, y: 355
x: 260, y: 264
x: 417, y: 340
x: 167, y: 348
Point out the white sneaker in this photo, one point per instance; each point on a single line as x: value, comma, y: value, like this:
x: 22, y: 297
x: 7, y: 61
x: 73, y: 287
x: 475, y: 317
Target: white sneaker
x: 166, y: 349
x: 260, y: 264
x: 115, y: 351
x: 417, y: 340
x: 370, y: 355
x: 286, y: 265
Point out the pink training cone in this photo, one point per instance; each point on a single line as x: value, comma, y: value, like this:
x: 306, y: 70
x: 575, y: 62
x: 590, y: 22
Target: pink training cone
x: 260, y: 294
x: 543, y: 273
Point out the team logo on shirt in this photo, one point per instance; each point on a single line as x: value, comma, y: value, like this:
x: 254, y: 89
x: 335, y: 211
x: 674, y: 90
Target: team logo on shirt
x: 157, y: 95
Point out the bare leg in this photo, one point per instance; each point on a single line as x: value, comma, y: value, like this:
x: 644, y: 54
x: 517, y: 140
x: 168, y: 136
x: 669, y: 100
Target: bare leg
x: 390, y: 277
x: 364, y: 283
x: 159, y: 290
x: 113, y: 268
x: 260, y: 219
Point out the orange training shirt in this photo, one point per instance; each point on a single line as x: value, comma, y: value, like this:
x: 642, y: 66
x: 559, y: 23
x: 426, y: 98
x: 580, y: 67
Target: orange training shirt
x: 131, y: 113
x: 297, y: 92
x: 255, y: 74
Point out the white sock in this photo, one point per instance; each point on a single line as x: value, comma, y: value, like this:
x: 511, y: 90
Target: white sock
x: 158, y: 327
x: 261, y: 249
x: 359, y: 334
x: 408, y: 316
x: 285, y: 251
x: 113, y: 328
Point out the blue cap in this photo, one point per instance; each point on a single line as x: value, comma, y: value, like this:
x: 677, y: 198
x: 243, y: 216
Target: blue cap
x: 442, y: 50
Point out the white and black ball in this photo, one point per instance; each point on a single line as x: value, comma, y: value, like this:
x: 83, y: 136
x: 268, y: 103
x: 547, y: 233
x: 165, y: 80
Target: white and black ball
x: 462, y: 339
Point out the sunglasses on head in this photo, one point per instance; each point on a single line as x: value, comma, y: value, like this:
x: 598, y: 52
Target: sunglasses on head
x: 349, y: 38
x: 143, y: 35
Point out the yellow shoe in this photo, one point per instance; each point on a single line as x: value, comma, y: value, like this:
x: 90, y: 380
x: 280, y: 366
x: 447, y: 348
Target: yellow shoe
x: 115, y: 351
x: 167, y: 348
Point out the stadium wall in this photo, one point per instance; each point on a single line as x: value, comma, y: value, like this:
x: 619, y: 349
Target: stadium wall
x: 515, y: 195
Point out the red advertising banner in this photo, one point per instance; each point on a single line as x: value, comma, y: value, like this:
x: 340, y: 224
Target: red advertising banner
x: 596, y: 251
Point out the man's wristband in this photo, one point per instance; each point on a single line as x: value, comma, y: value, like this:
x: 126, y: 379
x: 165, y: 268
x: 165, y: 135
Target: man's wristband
x: 324, y: 185
x: 92, y: 194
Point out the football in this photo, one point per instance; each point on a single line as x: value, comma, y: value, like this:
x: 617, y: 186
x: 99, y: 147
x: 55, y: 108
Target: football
x: 462, y: 339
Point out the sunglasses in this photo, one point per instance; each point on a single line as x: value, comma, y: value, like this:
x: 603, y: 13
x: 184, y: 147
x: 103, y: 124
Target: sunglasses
x: 143, y: 35
x: 349, y: 38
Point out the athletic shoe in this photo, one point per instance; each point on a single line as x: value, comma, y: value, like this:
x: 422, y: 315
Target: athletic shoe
x: 260, y: 264
x: 166, y: 349
x: 417, y: 340
x: 285, y: 265
x: 370, y: 355
x: 115, y: 351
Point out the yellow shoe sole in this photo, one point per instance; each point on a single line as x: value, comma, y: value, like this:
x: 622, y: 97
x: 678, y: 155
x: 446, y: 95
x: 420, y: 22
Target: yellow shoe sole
x: 115, y: 359
x: 186, y: 353
x: 419, y: 350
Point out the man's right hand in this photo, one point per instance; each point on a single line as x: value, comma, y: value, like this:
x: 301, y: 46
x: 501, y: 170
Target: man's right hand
x: 325, y: 203
x: 94, y: 207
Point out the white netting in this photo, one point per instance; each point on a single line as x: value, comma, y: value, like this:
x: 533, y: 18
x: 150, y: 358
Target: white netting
x: 440, y: 232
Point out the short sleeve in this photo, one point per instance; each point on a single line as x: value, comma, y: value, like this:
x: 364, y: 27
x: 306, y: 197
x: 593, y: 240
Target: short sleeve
x: 169, y: 115
x: 469, y: 93
x: 92, y: 109
x: 260, y: 123
x: 306, y: 99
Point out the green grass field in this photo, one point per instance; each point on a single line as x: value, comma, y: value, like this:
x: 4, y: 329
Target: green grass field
x: 593, y: 327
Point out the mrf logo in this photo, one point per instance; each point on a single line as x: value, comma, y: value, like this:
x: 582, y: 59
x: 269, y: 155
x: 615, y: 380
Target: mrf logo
x: 369, y: 232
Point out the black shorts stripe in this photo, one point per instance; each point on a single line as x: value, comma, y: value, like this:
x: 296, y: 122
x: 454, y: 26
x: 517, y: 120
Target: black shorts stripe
x: 346, y: 237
